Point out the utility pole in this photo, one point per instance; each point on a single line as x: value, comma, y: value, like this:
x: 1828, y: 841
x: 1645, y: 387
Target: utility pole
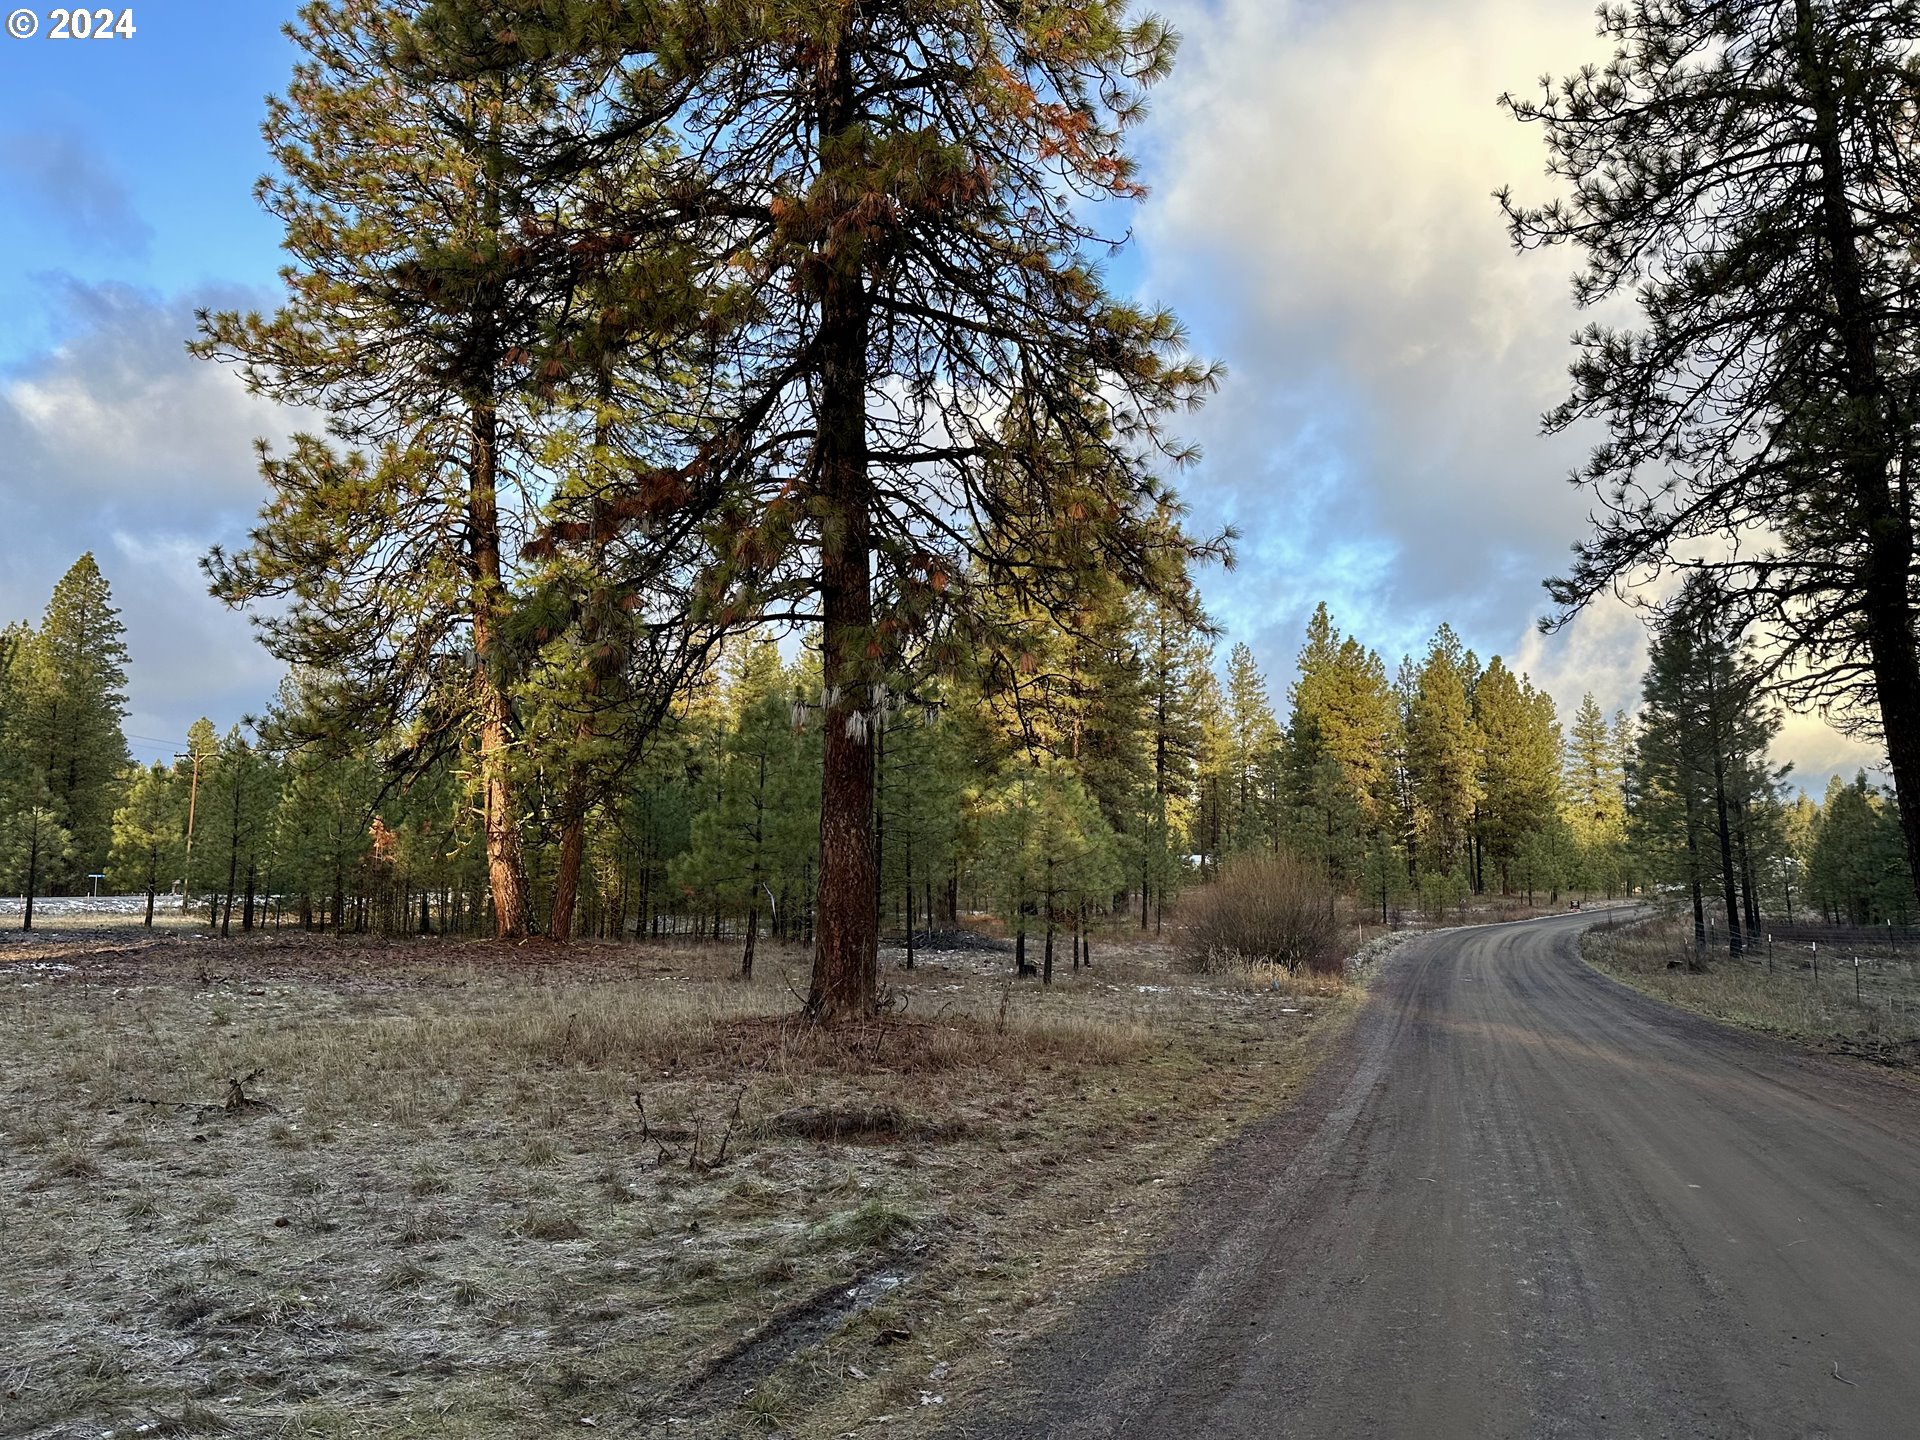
x: 193, y: 796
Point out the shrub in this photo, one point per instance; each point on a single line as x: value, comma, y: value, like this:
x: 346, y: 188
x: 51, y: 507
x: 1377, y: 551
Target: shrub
x: 1263, y: 910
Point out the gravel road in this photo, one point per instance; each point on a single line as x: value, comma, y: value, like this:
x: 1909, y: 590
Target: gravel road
x: 1524, y: 1201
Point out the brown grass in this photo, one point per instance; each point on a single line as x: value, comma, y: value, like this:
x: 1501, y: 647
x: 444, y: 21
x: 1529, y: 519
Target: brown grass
x: 502, y: 1190
x: 1784, y: 997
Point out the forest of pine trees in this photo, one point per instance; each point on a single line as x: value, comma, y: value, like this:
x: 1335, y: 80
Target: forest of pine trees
x: 740, y: 508
x: 1091, y: 783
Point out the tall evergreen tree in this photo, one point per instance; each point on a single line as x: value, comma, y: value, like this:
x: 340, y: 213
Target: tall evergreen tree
x: 1443, y: 753
x: 1520, y: 759
x: 149, y: 833
x: 1703, y: 735
x: 67, y: 699
x: 1856, y: 866
x: 1744, y: 170
x: 1175, y: 652
x: 1594, y: 797
x: 429, y: 320
x: 935, y: 391
x: 241, y: 790
x: 1253, y: 752
x: 749, y: 845
x: 1343, y: 708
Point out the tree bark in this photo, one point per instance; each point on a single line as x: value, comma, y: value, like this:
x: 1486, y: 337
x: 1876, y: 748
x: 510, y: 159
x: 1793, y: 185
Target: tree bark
x: 1727, y: 874
x: 506, y: 865
x: 1693, y: 880
x: 846, y: 982
x: 1886, y: 602
x: 573, y: 848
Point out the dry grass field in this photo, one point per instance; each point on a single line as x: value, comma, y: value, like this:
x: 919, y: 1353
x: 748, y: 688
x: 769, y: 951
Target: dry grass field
x: 464, y: 1190
x: 1870, y: 1011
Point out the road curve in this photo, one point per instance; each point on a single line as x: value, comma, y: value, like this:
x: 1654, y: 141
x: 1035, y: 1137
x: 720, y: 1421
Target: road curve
x: 1527, y: 1201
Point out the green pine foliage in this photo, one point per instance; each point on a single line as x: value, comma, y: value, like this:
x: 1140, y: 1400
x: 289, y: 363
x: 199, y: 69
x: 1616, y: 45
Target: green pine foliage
x: 149, y: 834
x: 63, y: 761
x: 239, y: 793
x: 1732, y: 173
x: 1702, y: 789
x: 1443, y: 755
x: 1520, y: 763
x: 750, y: 844
x: 1855, y: 867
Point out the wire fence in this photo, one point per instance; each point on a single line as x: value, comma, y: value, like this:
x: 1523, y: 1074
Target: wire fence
x: 1875, y: 966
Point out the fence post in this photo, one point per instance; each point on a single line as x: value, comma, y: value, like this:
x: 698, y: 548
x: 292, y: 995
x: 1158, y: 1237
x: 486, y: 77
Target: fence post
x: 1769, y: 953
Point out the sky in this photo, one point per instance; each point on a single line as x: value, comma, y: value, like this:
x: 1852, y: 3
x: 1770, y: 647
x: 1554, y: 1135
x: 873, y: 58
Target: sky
x: 1321, y: 218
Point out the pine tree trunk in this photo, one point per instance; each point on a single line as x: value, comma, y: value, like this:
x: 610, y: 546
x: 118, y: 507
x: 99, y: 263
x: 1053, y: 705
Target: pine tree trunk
x: 753, y: 936
x: 1693, y: 878
x: 1749, y: 895
x: 233, y: 877
x: 1727, y: 874
x: 846, y: 982
x: 1886, y: 596
x: 907, y: 903
x: 33, y: 871
x: 573, y: 848
x: 506, y: 865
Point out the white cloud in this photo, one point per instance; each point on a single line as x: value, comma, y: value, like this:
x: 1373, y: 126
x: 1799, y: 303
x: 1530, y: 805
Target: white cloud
x: 120, y: 443
x: 1323, y: 218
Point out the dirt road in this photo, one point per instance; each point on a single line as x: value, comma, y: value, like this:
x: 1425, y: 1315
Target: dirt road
x: 1527, y: 1202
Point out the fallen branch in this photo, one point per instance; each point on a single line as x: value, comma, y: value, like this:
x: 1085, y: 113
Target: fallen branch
x: 237, y: 1099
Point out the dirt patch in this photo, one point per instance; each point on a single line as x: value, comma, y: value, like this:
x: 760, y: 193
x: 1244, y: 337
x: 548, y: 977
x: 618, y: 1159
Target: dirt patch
x: 476, y: 1190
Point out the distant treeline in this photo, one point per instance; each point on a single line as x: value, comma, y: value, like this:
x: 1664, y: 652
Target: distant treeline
x: 1093, y: 779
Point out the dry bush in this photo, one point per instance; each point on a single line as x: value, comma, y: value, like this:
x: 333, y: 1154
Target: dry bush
x: 1264, y: 910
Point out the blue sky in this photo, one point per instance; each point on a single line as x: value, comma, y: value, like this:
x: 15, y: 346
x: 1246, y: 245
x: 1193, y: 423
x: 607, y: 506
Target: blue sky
x: 131, y: 161
x: 1321, y: 219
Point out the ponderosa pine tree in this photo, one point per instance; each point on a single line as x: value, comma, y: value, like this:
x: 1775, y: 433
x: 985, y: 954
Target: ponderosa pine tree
x: 1745, y: 170
x: 935, y: 392
x: 924, y: 782
x: 1703, y: 734
x: 1174, y: 650
x: 1519, y: 774
x: 67, y: 697
x: 1443, y: 754
x: 747, y: 846
x: 239, y: 793
x: 149, y: 833
x: 1343, y: 709
x: 1212, y: 783
x: 1855, y: 864
x: 1593, y: 796
x: 428, y: 319
x: 1253, y: 754
x: 1044, y: 849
